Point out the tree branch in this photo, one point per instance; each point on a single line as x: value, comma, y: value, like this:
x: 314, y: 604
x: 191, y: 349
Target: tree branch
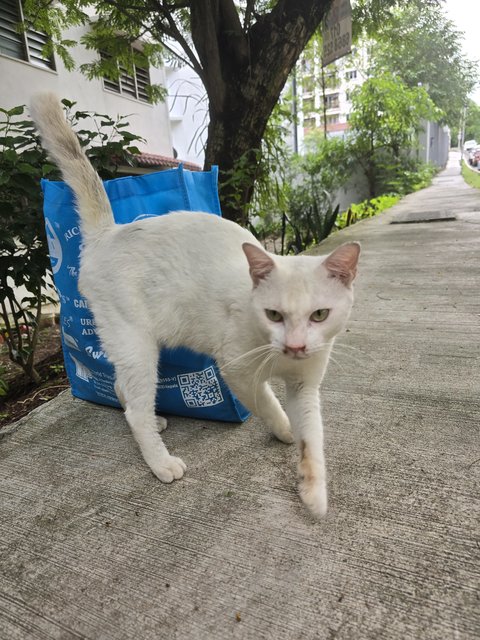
x: 9, y: 335
x: 287, y: 10
x: 231, y: 30
x: 34, y: 340
x: 205, y: 18
x: 174, y: 32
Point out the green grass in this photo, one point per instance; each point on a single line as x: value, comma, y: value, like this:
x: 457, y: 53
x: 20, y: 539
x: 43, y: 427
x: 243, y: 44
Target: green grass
x: 471, y: 177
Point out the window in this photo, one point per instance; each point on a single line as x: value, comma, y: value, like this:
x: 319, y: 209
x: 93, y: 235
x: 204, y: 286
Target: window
x: 307, y: 66
x: 309, y: 123
x: 135, y: 86
x: 351, y: 75
x: 27, y: 45
x: 308, y: 105
x: 333, y: 119
x: 308, y: 84
x: 331, y: 79
x: 332, y: 101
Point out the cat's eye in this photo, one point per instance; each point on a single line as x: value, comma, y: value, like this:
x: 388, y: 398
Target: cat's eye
x: 319, y: 315
x: 274, y: 316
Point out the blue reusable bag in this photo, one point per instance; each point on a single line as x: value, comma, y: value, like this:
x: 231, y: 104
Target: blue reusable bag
x: 189, y: 384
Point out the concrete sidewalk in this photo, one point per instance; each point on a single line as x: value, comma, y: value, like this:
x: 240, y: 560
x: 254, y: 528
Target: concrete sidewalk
x: 93, y: 546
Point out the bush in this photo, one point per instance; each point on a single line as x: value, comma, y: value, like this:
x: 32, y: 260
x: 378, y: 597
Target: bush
x: 24, y: 261
x: 403, y: 176
x: 311, y: 216
x: 366, y: 209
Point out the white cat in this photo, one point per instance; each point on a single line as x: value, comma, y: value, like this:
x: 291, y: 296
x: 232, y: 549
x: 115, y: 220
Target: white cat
x: 196, y: 280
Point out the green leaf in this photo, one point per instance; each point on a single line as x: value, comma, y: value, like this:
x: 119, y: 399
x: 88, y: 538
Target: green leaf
x: 10, y: 155
x: 16, y: 111
x: 25, y: 167
x: 47, y: 169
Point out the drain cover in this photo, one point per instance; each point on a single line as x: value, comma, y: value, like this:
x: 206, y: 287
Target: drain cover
x: 423, y: 216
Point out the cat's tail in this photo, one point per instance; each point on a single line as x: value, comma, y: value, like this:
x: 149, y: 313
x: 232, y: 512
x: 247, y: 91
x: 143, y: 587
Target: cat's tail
x: 61, y: 142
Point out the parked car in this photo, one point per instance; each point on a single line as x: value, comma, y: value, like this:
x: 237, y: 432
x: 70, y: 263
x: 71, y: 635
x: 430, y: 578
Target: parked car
x: 471, y: 154
x: 475, y: 162
x: 469, y: 144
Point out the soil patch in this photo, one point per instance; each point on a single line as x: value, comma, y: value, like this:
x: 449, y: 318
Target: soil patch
x: 23, y: 395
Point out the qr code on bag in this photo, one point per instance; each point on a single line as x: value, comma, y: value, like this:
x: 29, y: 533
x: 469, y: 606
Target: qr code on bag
x: 200, y: 388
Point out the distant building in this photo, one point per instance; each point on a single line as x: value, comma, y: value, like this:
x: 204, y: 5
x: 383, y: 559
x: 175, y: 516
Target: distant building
x: 324, y: 96
x: 324, y: 93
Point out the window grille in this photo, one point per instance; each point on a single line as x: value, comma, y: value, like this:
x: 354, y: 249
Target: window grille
x: 24, y: 45
x: 134, y: 86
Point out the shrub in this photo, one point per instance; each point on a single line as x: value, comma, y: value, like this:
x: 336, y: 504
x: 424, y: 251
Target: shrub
x: 366, y: 209
x: 311, y: 217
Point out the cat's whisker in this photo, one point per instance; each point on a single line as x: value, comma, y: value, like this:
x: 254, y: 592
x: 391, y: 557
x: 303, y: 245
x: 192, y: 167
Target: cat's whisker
x: 349, y: 356
x: 320, y: 347
x: 274, y: 362
x: 348, y: 346
x: 328, y: 351
x: 334, y: 348
x: 258, y: 374
x: 259, y: 371
x: 337, y: 363
x: 257, y: 352
x: 348, y: 353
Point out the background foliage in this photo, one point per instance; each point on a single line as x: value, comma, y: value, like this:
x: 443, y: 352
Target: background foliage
x: 422, y: 47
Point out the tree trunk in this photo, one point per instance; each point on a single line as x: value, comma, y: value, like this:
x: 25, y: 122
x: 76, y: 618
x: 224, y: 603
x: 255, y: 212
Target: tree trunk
x: 244, y: 74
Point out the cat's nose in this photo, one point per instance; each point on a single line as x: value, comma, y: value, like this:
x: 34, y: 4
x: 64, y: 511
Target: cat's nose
x: 295, y: 349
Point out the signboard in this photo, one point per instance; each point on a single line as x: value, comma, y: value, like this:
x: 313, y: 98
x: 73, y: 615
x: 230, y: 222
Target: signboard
x: 337, y: 31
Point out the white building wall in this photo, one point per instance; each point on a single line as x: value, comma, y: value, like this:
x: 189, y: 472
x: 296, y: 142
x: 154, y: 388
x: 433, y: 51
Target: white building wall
x: 434, y: 143
x: 188, y: 106
x: 19, y: 80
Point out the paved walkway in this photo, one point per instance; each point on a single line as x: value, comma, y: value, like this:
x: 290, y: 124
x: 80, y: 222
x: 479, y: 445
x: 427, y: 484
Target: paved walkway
x: 92, y: 546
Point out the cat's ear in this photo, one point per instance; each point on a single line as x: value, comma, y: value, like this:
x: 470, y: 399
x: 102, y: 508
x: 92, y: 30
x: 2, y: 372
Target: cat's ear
x: 260, y: 263
x: 342, y: 263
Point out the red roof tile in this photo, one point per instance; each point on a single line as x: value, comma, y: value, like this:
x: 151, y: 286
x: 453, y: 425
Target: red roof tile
x: 338, y: 126
x: 154, y: 160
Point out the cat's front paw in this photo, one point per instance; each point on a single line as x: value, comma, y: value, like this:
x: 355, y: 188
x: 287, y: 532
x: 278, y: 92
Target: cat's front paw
x: 282, y: 431
x: 284, y: 435
x: 169, y: 468
x: 314, y: 497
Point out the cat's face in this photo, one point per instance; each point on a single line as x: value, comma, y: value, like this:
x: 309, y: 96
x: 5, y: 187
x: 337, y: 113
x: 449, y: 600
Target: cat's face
x: 302, y: 302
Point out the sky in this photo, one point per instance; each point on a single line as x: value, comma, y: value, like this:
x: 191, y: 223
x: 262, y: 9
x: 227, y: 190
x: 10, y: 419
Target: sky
x: 466, y: 15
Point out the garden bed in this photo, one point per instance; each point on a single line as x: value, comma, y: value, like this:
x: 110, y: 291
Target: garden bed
x: 23, y: 395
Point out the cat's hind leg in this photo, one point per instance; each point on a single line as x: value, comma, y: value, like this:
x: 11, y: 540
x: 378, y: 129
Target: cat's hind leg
x: 135, y: 362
